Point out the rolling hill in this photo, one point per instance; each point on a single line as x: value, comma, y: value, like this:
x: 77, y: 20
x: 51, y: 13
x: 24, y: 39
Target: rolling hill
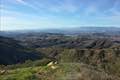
x: 11, y: 52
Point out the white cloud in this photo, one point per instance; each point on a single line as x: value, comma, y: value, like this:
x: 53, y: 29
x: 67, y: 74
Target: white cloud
x: 20, y: 1
x: 59, y: 6
x: 30, y: 5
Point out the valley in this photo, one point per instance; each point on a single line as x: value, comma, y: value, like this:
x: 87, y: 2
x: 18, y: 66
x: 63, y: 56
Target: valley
x: 72, y: 55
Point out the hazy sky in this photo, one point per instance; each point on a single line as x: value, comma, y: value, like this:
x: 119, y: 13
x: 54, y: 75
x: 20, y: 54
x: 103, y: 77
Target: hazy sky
x: 35, y: 14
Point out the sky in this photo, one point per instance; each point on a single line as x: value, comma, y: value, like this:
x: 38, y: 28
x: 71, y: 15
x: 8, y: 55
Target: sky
x: 44, y: 14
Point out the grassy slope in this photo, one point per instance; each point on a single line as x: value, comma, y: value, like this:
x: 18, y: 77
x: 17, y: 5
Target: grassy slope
x: 20, y: 74
x: 64, y: 71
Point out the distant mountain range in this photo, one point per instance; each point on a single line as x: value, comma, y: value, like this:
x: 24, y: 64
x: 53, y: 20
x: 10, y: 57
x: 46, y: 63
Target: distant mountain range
x: 19, y: 46
x: 76, y: 30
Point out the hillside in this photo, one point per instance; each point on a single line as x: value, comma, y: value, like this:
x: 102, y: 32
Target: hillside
x: 11, y: 52
x: 36, y: 40
x: 63, y: 71
x: 75, y: 57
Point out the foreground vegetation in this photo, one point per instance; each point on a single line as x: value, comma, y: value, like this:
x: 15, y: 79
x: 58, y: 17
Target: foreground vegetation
x: 67, y: 64
x: 62, y: 71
